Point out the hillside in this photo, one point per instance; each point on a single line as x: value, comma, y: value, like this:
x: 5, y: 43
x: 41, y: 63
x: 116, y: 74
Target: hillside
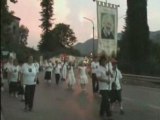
x: 86, y: 47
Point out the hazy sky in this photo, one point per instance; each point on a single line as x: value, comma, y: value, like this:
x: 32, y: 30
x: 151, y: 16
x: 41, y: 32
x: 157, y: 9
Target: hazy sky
x: 72, y: 12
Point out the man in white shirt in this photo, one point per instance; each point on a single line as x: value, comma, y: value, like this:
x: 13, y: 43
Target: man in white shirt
x: 57, y: 71
x: 117, y: 88
x: 94, y: 67
x: 28, y: 75
x: 104, y: 87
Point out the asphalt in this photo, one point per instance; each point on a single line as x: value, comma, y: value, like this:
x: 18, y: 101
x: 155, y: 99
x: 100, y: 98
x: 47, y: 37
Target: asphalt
x: 52, y: 102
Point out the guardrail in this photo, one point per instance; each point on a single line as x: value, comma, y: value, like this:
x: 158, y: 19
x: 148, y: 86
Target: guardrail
x: 141, y: 78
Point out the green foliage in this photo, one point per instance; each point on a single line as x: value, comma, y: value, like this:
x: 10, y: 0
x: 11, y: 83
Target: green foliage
x: 59, y: 40
x: 23, y: 35
x: 64, y: 34
x: 135, y: 46
x: 46, y: 13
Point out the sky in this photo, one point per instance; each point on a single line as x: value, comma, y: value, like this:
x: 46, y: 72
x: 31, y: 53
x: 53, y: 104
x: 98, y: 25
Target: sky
x: 71, y: 12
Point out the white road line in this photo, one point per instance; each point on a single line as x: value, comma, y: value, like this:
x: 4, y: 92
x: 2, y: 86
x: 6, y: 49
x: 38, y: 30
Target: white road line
x: 149, y: 105
x: 155, y: 107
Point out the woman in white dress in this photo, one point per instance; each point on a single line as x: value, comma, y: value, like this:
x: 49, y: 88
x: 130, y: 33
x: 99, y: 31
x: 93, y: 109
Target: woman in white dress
x: 70, y: 75
x: 64, y: 71
x: 82, y: 70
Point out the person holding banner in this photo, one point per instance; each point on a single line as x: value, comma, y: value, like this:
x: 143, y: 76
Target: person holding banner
x: 104, y: 87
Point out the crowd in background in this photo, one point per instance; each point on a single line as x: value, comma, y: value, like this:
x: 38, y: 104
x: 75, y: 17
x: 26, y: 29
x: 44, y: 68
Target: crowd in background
x: 106, y: 79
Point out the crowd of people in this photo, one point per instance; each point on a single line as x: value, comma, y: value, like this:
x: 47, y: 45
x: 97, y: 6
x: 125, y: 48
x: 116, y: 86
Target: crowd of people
x: 106, y: 79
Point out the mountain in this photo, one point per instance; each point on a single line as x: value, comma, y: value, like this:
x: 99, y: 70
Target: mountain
x: 86, y: 47
x: 155, y: 36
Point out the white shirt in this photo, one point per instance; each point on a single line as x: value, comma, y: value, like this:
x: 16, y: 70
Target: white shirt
x: 117, y: 78
x: 101, y: 72
x: 109, y: 67
x: 49, y: 66
x: 82, y: 71
x: 94, y: 66
x: 36, y: 64
x: 13, y: 73
x: 7, y: 66
x: 64, y: 70
x: 29, y: 74
x: 57, y: 69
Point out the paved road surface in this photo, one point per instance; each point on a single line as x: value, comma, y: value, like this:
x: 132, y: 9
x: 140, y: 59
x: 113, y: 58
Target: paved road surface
x: 59, y: 103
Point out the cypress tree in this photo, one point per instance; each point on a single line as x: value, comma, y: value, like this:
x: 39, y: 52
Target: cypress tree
x: 135, y: 38
x: 46, y: 13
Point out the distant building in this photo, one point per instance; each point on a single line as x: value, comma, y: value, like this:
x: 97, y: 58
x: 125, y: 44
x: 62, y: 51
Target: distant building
x: 13, y: 28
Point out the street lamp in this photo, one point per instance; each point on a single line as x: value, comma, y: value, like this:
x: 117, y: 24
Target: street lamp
x: 93, y: 51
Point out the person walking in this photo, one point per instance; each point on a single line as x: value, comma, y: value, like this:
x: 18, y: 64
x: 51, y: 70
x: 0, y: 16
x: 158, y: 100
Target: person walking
x: 48, y: 71
x: 116, y: 87
x: 82, y: 70
x: 14, y: 77
x: 94, y: 67
x: 28, y: 74
x: 64, y: 70
x: 7, y: 67
x: 70, y: 75
x: 104, y: 87
x: 37, y: 66
x: 57, y: 71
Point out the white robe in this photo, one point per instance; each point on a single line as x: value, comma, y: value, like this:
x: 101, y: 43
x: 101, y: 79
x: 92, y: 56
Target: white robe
x: 71, y: 77
x: 83, y: 75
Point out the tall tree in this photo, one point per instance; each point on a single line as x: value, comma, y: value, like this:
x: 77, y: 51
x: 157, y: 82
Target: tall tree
x: 135, y: 47
x: 23, y: 35
x: 6, y: 19
x: 46, y: 13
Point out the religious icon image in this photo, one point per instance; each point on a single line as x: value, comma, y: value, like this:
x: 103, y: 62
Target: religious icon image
x: 107, y: 26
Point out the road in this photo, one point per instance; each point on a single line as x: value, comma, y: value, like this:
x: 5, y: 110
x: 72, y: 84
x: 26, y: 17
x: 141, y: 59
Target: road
x: 59, y: 103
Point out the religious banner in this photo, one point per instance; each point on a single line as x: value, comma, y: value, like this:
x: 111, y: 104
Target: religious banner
x: 107, y: 21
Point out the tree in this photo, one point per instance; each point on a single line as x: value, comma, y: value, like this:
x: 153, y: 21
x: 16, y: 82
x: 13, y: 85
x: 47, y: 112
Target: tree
x: 46, y: 13
x: 6, y: 19
x: 64, y: 34
x: 23, y: 35
x: 135, y: 45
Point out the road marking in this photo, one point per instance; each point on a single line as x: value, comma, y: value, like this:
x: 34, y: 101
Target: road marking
x: 148, y: 105
x: 155, y: 107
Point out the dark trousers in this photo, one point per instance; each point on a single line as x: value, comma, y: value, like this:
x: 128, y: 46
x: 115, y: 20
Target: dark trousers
x: 105, y: 104
x: 57, y: 76
x: 13, y: 87
x: 29, y: 95
x: 95, y: 84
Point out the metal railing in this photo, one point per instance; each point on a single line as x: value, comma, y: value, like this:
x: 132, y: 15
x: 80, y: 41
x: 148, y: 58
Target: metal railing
x: 141, y: 78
